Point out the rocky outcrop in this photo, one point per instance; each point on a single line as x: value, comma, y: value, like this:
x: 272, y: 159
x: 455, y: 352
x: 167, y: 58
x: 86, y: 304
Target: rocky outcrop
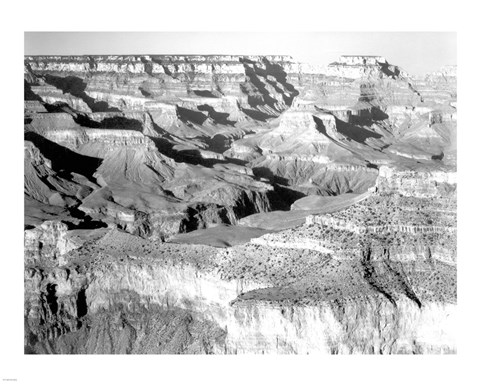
x: 45, y: 184
x: 139, y: 186
x: 306, y: 151
x: 234, y: 311
x: 49, y: 241
x: 431, y: 182
x: 149, y: 78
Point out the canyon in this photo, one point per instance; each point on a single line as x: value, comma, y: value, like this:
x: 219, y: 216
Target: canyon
x: 221, y: 204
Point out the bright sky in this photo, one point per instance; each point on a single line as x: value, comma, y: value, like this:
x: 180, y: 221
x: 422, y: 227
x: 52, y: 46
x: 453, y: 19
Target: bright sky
x: 416, y: 52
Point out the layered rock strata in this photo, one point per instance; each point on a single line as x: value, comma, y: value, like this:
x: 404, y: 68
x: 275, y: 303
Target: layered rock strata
x: 246, y: 299
x: 124, y: 152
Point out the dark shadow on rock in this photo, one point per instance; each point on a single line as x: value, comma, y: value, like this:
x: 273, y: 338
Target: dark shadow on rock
x: 438, y: 157
x: 355, y: 132
x: 51, y: 298
x: 85, y: 121
x: 165, y: 134
x: 267, y: 173
x: 372, y: 277
x: 189, y: 156
x: 64, y: 160
x: 75, y: 86
x: 28, y: 94
x: 281, y: 198
x: 58, y: 107
x: 121, y: 122
x: 144, y: 92
x: 378, y: 114
x: 280, y: 76
x: 86, y: 222
x: 162, y: 61
x: 368, y: 116
x: 165, y: 146
x: 367, y: 93
x: 148, y: 65
x: 257, y: 115
x: 113, y: 122
x: 387, y: 70
x: 204, y: 93
x: 273, y: 75
x: 218, y: 143
x: 259, y: 95
x: 402, y: 280
x: 79, y: 117
x: 194, y: 219
x: 189, y: 116
x: 321, y: 127
x: 217, y: 117
x: 82, y: 307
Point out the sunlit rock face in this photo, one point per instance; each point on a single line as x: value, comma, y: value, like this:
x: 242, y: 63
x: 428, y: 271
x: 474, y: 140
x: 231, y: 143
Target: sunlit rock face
x: 429, y: 182
x: 136, y: 81
x: 246, y: 303
x: 238, y: 204
x: 50, y: 241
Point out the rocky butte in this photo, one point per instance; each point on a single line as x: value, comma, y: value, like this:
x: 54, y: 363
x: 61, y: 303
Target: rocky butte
x: 238, y: 204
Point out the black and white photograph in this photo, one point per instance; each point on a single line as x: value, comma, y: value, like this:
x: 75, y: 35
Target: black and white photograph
x: 240, y: 204
x: 257, y: 193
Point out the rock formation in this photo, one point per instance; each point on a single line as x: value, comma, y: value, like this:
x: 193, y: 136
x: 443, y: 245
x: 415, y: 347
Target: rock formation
x: 234, y: 204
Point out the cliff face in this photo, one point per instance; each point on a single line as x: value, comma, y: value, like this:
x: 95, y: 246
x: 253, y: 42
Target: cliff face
x: 50, y: 240
x: 122, y: 153
x: 205, y: 293
x: 429, y: 182
x: 140, y: 80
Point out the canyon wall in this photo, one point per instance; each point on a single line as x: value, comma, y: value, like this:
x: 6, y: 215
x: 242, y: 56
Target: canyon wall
x: 122, y: 284
x: 122, y: 153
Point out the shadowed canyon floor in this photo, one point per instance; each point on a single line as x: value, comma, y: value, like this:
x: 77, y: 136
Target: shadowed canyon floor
x: 231, y: 204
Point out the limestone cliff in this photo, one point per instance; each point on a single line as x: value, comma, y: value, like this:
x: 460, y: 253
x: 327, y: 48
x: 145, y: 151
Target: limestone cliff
x: 237, y: 305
